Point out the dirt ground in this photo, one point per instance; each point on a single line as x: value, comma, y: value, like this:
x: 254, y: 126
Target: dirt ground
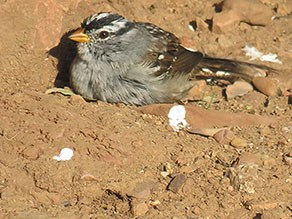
x: 128, y: 164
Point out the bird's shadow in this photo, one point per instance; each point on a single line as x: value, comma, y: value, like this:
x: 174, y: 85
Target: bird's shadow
x: 64, y: 52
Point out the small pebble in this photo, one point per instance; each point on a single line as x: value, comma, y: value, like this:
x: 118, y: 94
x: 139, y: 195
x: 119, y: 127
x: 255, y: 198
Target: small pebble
x: 164, y: 174
x: 67, y: 203
x: 254, y: 99
x: 224, y: 136
x: 239, y: 88
x: 288, y: 159
x: 198, y: 90
x: 176, y: 183
x: 139, y: 208
x: 223, y: 158
x: 238, y: 142
x: 65, y: 154
x: 154, y: 203
x: 188, y: 186
x: 267, y: 86
x: 260, y: 206
x: 225, y: 21
x: 201, y: 24
x: 142, y: 190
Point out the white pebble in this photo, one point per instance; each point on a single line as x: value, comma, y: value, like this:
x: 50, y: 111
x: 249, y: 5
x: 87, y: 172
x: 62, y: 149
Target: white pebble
x: 176, y: 117
x: 65, y: 154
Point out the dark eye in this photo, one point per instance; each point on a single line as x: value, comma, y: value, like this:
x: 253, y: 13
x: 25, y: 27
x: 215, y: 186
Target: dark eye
x: 103, y: 34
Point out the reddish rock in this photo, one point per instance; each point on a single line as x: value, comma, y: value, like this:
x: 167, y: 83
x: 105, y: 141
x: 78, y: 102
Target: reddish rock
x: 254, y: 98
x: 225, y: 21
x: 268, y: 86
x: 187, y: 42
x: 198, y: 90
x: 234, y: 11
x: 239, y: 88
x: 202, y: 118
x: 50, y: 16
x: 251, y: 11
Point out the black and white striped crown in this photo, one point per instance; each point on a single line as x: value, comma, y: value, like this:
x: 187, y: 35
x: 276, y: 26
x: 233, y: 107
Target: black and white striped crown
x: 112, y: 22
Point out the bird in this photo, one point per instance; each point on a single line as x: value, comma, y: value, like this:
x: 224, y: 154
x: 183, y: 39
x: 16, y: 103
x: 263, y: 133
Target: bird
x: 137, y: 63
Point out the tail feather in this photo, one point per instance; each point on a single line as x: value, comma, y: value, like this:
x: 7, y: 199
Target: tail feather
x: 230, y: 69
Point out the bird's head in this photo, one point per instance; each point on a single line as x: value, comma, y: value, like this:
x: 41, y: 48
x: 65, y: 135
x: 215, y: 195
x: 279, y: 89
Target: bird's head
x: 104, y: 33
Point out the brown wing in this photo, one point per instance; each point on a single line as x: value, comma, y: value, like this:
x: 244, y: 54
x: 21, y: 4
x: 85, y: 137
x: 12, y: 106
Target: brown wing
x: 174, y: 60
x: 168, y: 54
x: 185, y: 60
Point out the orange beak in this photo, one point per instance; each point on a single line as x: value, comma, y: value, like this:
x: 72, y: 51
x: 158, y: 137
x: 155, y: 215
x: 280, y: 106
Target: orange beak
x: 79, y: 36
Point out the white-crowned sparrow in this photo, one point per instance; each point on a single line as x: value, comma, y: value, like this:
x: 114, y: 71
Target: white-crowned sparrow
x: 139, y: 63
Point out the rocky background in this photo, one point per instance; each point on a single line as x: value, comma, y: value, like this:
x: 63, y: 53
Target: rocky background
x: 128, y: 162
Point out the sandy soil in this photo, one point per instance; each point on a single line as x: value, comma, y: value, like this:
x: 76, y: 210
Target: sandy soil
x: 126, y: 163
